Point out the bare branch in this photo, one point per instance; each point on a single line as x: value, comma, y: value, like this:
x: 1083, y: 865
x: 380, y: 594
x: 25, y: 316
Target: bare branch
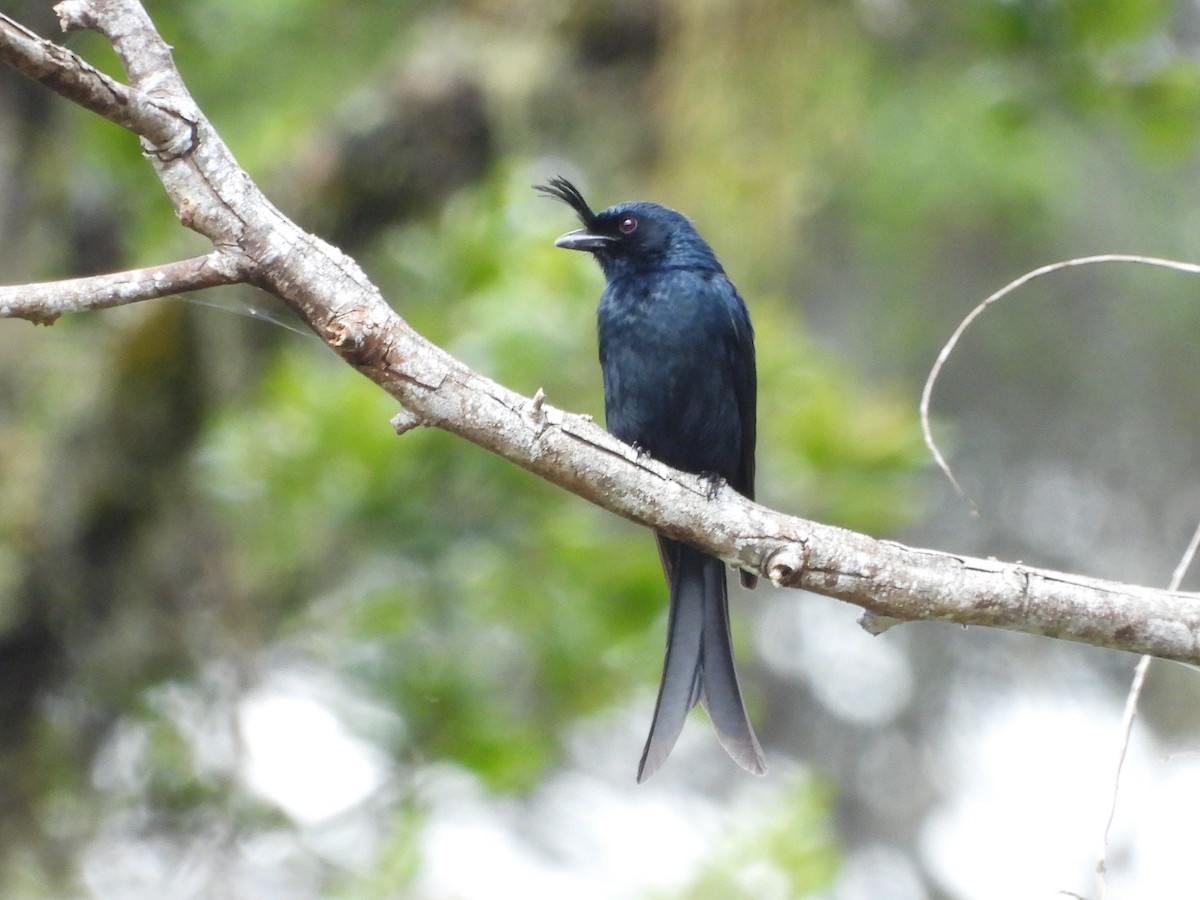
x: 216, y: 198
x: 66, y: 74
x: 43, y: 303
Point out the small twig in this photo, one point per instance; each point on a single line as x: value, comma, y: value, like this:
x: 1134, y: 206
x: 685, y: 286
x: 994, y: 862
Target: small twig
x: 43, y: 303
x: 1131, y: 702
x: 534, y: 411
x: 876, y: 625
x: 406, y: 420
x: 927, y: 391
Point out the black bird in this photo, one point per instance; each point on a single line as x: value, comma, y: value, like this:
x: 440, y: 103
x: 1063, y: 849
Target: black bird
x: 677, y: 356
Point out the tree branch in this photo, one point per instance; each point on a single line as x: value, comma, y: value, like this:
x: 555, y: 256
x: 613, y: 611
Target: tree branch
x: 65, y: 73
x: 256, y: 243
x: 43, y: 303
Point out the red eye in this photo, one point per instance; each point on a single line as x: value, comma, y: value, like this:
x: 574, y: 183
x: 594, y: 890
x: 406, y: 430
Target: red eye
x: 628, y: 225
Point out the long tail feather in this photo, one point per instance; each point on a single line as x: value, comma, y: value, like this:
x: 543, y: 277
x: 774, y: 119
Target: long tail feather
x: 698, y: 665
x: 721, y: 696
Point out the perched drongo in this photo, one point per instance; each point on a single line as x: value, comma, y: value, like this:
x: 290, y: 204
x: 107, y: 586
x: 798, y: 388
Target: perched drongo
x: 677, y: 356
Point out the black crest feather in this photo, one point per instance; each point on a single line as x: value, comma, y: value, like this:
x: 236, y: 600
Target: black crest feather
x: 561, y: 189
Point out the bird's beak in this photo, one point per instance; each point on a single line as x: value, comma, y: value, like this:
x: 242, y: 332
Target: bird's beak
x: 582, y: 239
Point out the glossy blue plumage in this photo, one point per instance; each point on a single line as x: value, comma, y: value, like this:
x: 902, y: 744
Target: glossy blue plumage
x: 677, y: 357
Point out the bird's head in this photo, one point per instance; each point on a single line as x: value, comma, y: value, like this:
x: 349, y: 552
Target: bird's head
x: 631, y: 236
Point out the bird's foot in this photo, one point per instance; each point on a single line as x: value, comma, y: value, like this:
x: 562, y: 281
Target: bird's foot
x: 712, y: 483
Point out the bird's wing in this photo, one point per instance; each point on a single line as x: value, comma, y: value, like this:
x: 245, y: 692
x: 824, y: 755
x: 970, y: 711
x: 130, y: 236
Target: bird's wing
x: 740, y: 354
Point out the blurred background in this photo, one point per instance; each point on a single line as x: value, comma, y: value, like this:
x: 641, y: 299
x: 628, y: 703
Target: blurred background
x: 254, y: 645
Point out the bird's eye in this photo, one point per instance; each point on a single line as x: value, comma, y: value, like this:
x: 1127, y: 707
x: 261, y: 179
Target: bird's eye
x: 628, y: 225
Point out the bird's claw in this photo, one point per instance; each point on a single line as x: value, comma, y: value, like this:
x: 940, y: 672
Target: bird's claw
x: 712, y: 483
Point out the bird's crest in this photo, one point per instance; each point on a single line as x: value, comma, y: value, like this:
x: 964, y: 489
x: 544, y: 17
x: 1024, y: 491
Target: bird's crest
x: 561, y: 189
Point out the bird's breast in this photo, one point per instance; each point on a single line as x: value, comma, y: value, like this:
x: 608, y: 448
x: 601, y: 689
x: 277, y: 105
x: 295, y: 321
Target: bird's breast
x: 668, y: 386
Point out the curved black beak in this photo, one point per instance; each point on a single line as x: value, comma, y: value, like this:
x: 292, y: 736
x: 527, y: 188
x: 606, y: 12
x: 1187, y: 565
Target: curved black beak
x: 583, y: 239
